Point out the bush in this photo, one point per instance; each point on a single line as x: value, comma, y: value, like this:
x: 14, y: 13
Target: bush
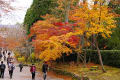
x: 21, y: 59
x: 32, y: 57
x: 17, y: 55
x: 109, y: 57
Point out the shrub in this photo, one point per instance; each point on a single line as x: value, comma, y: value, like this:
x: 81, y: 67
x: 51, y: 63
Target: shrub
x: 109, y: 57
x: 21, y: 59
x: 32, y: 57
x: 16, y: 54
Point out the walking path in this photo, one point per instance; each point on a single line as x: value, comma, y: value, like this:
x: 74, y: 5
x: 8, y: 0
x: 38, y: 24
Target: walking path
x: 25, y: 74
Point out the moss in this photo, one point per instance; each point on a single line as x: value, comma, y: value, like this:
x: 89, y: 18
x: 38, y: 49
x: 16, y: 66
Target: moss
x: 63, y: 72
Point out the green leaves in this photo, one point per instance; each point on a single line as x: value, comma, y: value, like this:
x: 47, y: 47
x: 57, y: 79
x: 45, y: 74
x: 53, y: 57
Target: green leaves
x: 37, y: 9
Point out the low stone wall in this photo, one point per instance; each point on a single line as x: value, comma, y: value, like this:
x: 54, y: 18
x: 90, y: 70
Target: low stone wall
x: 74, y: 76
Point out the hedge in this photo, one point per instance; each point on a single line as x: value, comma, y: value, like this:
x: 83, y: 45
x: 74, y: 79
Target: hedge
x: 109, y: 57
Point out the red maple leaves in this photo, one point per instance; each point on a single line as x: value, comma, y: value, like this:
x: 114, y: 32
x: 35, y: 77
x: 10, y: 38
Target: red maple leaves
x: 60, y: 29
x: 74, y: 40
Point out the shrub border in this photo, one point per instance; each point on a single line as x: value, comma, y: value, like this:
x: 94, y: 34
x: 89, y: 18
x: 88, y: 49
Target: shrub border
x: 66, y: 73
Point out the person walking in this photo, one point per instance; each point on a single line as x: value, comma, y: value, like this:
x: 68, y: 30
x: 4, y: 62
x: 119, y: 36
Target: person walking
x: 11, y: 68
x: 8, y: 59
x: 2, y: 69
x: 21, y: 67
x: 4, y: 55
x: 44, y: 70
x: 33, y: 70
x: 0, y: 56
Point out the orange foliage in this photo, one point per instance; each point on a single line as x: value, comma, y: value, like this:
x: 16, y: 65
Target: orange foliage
x: 52, y: 35
x: 95, y: 19
x: 50, y: 39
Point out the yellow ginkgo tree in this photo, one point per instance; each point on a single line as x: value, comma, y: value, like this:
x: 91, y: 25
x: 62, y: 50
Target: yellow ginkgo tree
x: 93, y: 20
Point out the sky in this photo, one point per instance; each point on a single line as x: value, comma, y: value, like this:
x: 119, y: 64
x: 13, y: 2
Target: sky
x: 17, y: 15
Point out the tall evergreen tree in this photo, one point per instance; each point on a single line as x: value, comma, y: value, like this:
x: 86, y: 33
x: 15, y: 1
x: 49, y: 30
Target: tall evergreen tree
x: 37, y: 9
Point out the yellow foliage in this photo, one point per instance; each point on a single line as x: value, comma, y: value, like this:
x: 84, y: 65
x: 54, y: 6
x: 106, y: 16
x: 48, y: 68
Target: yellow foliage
x: 94, y: 20
x: 32, y: 55
x: 21, y: 59
x: 44, y: 24
x: 17, y: 54
x: 51, y: 18
x: 53, y: 50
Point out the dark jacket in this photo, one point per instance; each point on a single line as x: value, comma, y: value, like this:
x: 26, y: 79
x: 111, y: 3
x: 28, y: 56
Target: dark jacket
x: 2, y: 67
x: 45, y: 68
x: 21, y: 65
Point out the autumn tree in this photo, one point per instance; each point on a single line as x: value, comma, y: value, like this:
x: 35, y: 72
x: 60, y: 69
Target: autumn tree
x: 51, y: 39
x: 15, y: 36
x: 2, y: 42
x: 37, y: 9
x: 114, y: 41
x: 53, y: 36
x: 94, y: 20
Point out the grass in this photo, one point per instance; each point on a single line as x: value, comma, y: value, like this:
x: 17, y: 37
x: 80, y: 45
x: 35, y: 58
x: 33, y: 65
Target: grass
x: 111, y: 74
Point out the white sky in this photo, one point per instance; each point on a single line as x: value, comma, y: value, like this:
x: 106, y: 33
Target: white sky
x: 17, y: 15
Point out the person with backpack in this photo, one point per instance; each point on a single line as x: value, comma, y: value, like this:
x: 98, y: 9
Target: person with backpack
x: 33, y: 70
x: 2, y: 69
x: 21, y: 67
x: 11, y: 68
x: 44, y: 70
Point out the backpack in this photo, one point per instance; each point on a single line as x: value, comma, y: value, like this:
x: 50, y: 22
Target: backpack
x: 2, y: 66
x: 33, y: 69
x: 0, y: 55
x: 11, y: 67
x: 21, y: 65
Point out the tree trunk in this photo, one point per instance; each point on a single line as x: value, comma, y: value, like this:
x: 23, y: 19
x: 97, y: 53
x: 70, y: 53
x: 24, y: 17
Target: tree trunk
x: 85, y: 58
x: 84, y: 54
x: 67, y: 8
x: 96, y: 43
x: 78, y: 58
x: 99, y: 55
x: 63, y: 59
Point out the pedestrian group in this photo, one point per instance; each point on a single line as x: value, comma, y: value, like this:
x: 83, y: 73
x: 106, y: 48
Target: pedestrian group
x: 10, y: 63
x: 11, y: 66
